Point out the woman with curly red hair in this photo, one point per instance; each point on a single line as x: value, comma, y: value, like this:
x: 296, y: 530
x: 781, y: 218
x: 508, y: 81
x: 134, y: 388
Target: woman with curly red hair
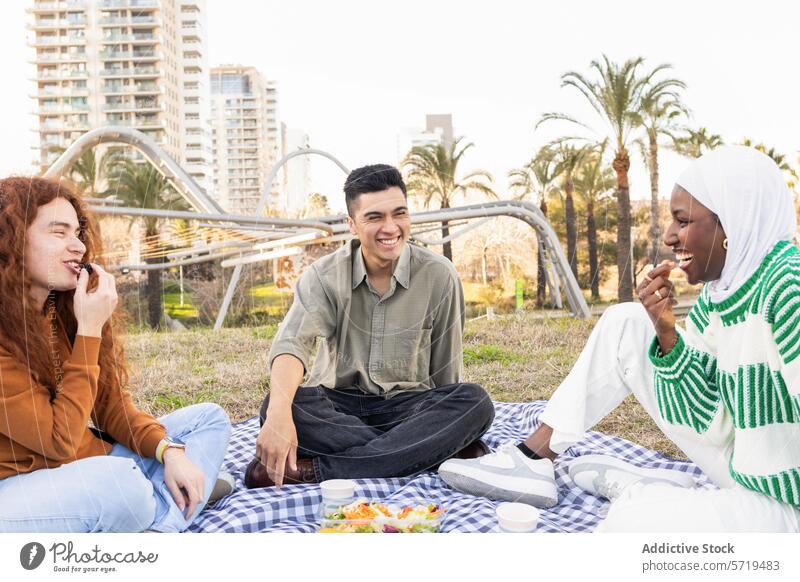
x: 76, y: 455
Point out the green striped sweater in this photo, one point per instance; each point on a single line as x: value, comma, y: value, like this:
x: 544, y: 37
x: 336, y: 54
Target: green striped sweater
x: 734, y: 375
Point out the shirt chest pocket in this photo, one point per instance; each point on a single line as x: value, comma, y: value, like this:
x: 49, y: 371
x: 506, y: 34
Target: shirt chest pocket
x: 409, y: 356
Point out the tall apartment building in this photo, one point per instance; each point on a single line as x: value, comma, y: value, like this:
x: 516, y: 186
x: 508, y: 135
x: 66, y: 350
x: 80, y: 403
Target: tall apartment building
x: 136, y: 63
x: 196, y: 151
x: 298, y: 170
x: 438, y: 130
x: 246, y: 137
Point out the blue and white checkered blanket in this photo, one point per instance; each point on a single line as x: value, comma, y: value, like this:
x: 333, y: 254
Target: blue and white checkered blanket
x: 294, y: 508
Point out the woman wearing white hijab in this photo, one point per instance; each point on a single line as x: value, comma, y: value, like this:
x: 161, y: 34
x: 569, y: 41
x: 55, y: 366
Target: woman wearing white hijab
x: 726, y: 390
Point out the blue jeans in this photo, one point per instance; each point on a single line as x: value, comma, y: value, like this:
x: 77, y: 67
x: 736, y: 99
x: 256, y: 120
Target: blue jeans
x: 118, y: 492
x: 353, y: 435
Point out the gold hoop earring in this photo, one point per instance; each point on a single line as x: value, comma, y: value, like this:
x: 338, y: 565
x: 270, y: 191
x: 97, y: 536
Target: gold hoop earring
x: 725, y: 244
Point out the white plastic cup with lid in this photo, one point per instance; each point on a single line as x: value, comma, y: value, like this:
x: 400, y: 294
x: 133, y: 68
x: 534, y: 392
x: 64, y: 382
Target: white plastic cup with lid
x: 517, y: 517
x: 337, y: 492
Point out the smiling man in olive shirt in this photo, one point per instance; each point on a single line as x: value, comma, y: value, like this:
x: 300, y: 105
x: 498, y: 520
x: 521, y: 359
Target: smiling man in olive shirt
x: 384, y: 396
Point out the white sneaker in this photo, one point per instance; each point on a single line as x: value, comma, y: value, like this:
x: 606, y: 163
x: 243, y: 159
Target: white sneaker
x: 224, y: 486
x: 505, y: 475
x: 606, y: 476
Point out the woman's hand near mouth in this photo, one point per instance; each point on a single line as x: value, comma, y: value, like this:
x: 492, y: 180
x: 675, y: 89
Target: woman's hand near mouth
x: 93, y: 308
x: 656, y: 294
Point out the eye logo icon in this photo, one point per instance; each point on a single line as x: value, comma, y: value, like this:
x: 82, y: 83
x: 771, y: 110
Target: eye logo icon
x: 31, y: 555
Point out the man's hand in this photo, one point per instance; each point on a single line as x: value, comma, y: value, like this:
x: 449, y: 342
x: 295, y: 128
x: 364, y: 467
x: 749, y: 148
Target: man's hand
x: 276, y: 445
x: 656, y: 294
x: 184, y: 480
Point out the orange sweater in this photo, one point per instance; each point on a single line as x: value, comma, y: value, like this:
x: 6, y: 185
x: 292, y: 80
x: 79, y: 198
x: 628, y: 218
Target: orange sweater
x: 36, y: 433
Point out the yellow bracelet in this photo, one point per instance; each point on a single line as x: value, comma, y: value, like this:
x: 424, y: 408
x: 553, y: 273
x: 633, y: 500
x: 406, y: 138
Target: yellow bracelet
x: 162, y: 446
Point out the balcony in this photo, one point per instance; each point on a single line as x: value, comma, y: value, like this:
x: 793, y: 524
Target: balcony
x: 127, y: 106
x: 54, y: 6
x: 132, y: 72
x: 60, y: 58
x: 58, y: 41
x: 51, y: 128
x: 59, y: 126
x: 148, y: 122
x: 135, y: 122
x: 62, y: 109
x: 46, y: 74
x: 57, y: 23
x: 138, y: 105
x: 128, y: 4
x: 134, y: 38
x: 130, y: 55
x: 61, y: 92
x: 136, y: 88
x: 151, y: 19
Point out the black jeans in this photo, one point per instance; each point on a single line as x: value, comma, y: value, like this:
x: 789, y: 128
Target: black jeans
x: 350, y: 434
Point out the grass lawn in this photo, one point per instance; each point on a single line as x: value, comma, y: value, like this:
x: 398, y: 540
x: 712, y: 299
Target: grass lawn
x: 173, y: 307
x: 516, y: 360
x: 264, y: 299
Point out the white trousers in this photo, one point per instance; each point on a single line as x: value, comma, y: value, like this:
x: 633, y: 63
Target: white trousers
x: 614, y: 364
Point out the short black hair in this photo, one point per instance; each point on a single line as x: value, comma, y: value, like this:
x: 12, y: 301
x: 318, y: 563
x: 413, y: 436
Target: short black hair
x: 368, y: 179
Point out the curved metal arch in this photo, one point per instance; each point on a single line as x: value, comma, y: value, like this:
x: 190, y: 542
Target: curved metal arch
x: 524, y: 211
x: 237, y: 270
x: 183, y: 183
x: 533, y: 216
x: 205, y: 205
x: 262, y: 202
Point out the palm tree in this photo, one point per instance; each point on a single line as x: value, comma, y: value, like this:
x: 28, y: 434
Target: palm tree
x: 520, y: 182
x: 432, y: 172
x: 774, y: 155
x: 89, y: 171
x: 616, y: 96
x: 694, y: 143
x: 661, y: 108
x: 537, y: 176
x: 780, y: 160
x: 568, y: 158
x: 592, y: 180
x: 142, y: 186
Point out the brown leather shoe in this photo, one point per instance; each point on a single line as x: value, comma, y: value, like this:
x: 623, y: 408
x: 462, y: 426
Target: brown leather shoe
x: 473, y: 450
x: 256, y: 476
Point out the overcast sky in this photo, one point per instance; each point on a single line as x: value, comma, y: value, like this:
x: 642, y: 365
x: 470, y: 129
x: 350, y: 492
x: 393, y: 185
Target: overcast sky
x: 352, y: 74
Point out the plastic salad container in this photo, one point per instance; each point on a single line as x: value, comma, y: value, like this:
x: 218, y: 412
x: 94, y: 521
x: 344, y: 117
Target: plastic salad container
x: 363, y: 516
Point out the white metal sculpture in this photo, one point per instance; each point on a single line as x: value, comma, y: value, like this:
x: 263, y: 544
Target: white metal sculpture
x: 284, y: 237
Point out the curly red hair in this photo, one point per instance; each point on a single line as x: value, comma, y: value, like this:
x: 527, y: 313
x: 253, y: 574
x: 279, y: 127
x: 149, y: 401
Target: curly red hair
x: 22, y: 328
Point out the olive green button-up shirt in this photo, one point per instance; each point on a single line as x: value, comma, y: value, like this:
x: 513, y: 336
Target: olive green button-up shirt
x: 407, y: 339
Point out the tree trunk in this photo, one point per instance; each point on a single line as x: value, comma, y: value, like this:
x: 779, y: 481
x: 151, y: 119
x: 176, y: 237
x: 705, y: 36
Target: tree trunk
x: 541, y: 281
x: 572, y: 233
x: 591, y: 235
x: 655, y: 210
x: 622, y: 164
x: 153, y: 289
x: 447, y: 249
x: 505, y: 267
x: 483, y: 265
x: 154, y: 308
